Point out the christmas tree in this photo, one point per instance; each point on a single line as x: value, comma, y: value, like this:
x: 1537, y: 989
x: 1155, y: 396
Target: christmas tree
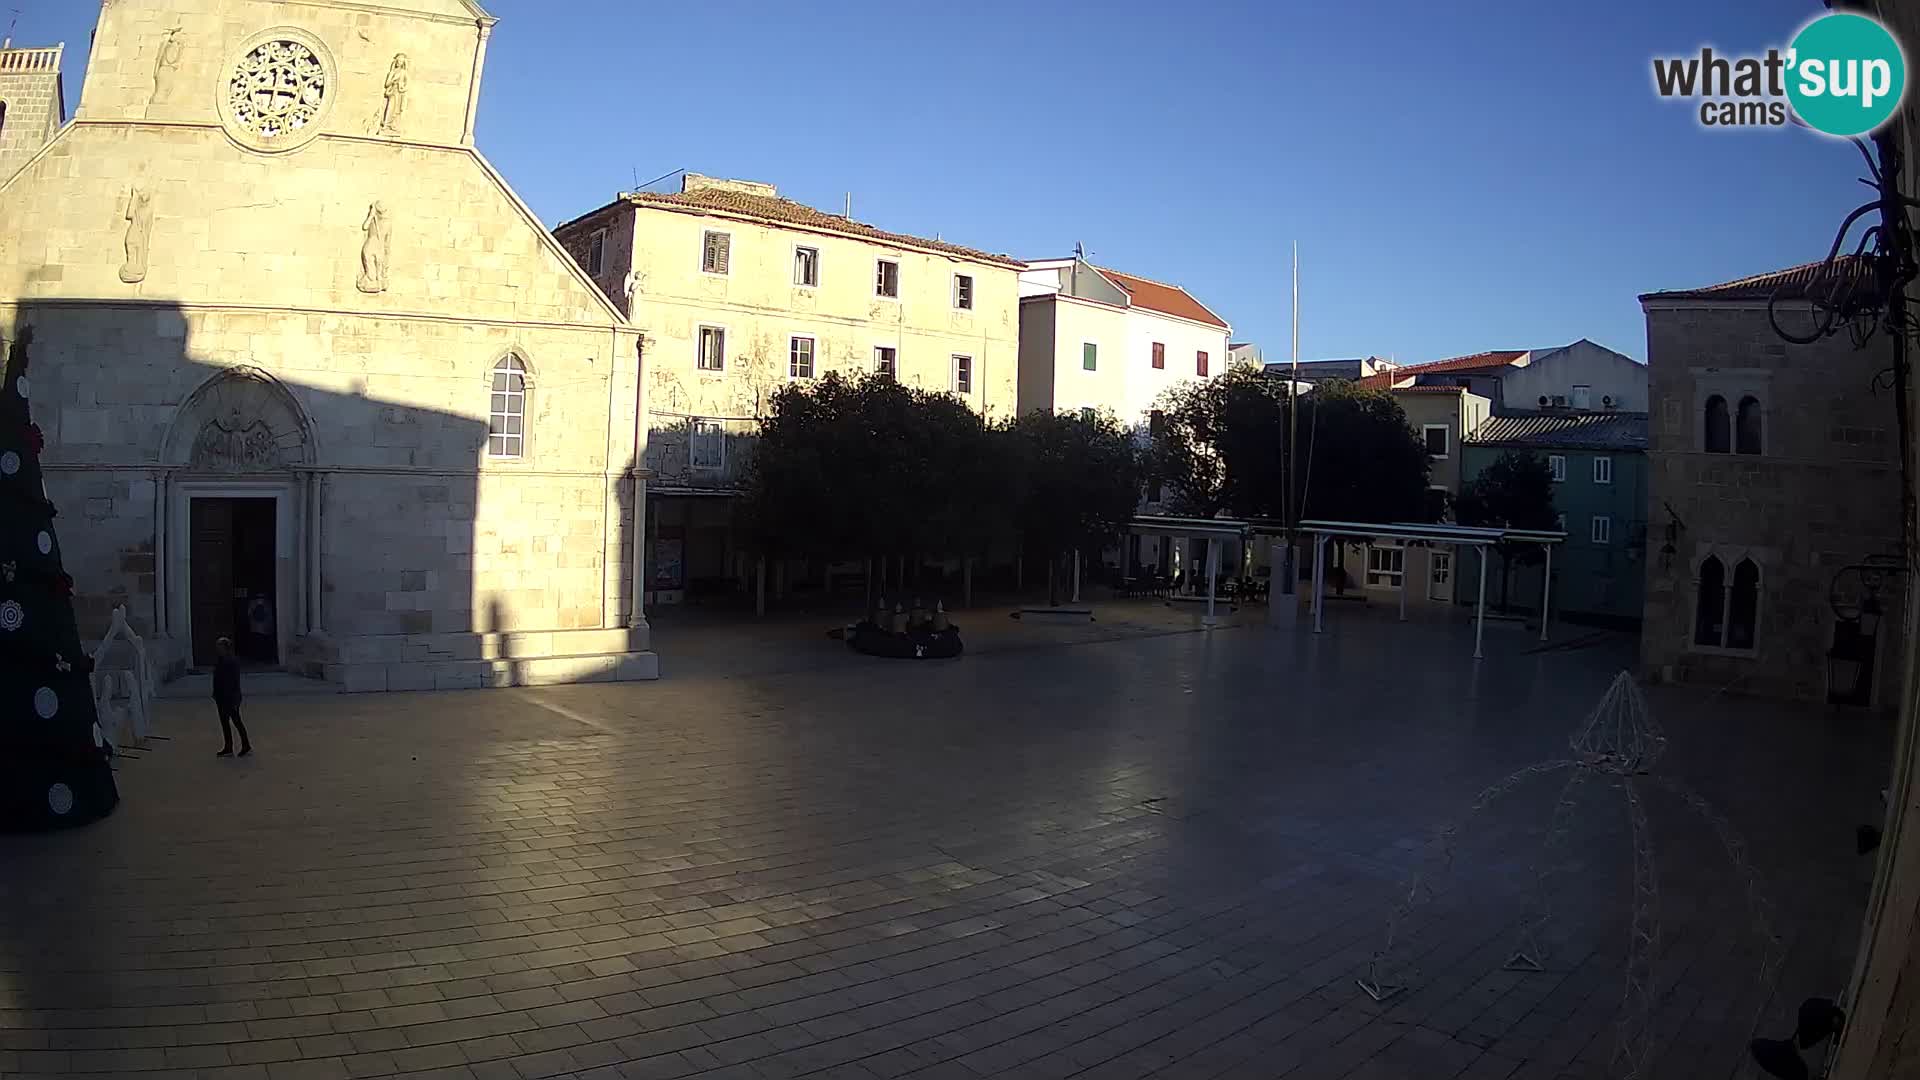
x: 54, y: 767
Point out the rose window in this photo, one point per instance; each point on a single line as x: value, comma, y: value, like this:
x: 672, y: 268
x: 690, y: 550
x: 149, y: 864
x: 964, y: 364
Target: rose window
x: 277, y: 90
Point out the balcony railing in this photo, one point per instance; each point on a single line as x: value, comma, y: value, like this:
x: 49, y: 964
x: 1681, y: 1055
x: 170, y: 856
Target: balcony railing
x: 14, y: 61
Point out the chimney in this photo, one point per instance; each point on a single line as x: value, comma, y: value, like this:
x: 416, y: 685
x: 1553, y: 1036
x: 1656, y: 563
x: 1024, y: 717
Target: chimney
x: 691, y: 182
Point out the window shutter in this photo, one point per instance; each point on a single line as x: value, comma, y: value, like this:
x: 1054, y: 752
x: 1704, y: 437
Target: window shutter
x: 721, y: 243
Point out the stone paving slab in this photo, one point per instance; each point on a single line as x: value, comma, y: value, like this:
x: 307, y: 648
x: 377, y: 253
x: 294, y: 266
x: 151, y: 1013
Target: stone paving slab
x: 1165, y: 855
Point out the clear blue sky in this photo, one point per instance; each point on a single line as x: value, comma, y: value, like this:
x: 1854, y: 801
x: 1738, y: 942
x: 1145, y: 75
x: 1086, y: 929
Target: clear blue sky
x: 1459, y: 176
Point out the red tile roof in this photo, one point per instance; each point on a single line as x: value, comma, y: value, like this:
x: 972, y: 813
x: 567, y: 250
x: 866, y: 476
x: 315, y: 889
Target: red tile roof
x: 1167, y: 299
x: 778, y: 211
x: 1849, y: 272
x: 1476, y: 362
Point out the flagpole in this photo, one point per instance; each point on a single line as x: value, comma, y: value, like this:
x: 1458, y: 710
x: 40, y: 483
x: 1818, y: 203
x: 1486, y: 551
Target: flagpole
x: 1292, y: 575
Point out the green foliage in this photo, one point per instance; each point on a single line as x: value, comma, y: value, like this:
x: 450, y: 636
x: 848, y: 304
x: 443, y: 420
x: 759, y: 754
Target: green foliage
x: 1515, y: 492
x: 1361, y: 458
x: 870, y: 466
x: 1224, y: 443
x: 1222, y: 446
x: 1073, y: 482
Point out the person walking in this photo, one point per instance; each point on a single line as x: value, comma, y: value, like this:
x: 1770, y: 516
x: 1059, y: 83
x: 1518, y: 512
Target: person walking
x: 226, y: 697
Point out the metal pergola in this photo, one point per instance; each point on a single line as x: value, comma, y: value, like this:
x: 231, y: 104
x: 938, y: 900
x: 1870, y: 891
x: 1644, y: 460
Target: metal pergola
x: 1412, y: 532
x: 1210, y: 529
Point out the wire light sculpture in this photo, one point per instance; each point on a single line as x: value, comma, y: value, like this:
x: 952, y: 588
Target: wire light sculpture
x: 1616, y: 747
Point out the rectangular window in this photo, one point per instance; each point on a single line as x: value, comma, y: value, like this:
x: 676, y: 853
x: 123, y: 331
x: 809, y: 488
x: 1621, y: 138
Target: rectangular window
x: 1557, y: 466
x: 714, y: 252
x: 800, y: 357
x: 713, y: 349
x: 886, y: 278
x: 597, y: 253
x: 806, y: 266
x: 1385, y: 567
x: 1583, y: 397
x: 1602, y: 532
x: 963, y: 291
x: 707, y: 445
x: 1089, y: 356
x: 1603, y: 470
x: 1089, y: 414
x: 1159, y: 355
x: 884, y: 361
x: 1436, y: 436
x: 1200, y: 364
x: 963, y: 374
x: 1156, y: 423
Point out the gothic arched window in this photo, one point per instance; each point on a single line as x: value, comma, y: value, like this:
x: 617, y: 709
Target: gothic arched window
x: 1710, y: 604
x: 507, y: 412
x: 1746, y: 426
x: 1719, y: 429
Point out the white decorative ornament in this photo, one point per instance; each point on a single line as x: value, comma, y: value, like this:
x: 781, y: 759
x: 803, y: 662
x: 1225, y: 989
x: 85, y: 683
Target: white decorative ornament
x: 46, y: 702
x: 280, y: 89
x: 12, y: 615
x: 60, y: 800
x: 9, y: 463
x: 45, y: 542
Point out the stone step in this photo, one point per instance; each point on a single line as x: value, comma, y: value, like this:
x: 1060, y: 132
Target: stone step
x: 476, y: 674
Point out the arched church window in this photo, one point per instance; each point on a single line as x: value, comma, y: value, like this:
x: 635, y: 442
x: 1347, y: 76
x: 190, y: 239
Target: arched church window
x: 507, y: 412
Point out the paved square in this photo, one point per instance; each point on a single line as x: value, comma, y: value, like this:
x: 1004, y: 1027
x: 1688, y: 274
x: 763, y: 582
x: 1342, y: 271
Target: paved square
x: 1156, y: 855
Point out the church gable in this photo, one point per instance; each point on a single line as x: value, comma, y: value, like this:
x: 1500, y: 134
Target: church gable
x: 246, y: 194
x: 275, y: 75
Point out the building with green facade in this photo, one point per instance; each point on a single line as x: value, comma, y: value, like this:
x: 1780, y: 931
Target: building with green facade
x: 1599, y: 465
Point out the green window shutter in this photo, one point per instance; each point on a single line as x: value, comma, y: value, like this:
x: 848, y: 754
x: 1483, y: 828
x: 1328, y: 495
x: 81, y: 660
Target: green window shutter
x: 1089, y: 356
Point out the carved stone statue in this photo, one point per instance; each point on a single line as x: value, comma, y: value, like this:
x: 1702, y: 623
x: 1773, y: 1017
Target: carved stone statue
x: 396, y: 92
x: 139, y: 225
x: 373, y: 249
x: 165, y: 66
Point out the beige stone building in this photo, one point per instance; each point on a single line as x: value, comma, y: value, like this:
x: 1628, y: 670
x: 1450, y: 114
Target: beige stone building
x: 743, y: 292
x: 1773, y: 500
x: 311, y: 375
x: 32, y: 102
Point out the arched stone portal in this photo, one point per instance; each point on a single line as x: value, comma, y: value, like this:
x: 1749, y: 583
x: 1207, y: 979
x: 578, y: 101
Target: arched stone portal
x: 240, y: 510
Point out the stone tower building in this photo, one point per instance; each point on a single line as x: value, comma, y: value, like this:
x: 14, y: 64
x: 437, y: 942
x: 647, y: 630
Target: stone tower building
x: 310, y: 373
x: 32, y: 103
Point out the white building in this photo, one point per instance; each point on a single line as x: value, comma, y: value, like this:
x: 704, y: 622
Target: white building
x: 1093, y: 338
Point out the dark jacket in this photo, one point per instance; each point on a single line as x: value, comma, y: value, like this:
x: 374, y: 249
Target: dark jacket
x: 226, y: 680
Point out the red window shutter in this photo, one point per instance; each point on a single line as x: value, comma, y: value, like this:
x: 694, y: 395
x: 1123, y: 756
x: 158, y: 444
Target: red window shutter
x: 1200, y: 363
x: 1159, y: 355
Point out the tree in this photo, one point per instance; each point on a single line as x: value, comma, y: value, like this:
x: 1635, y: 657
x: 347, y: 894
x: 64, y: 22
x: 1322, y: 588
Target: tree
x: 1515, y: 492
x: 1360, y: 458
x: 54, y: 767
x: 1075, y: 482
x: 1221, y: 445
x: 870, y: 467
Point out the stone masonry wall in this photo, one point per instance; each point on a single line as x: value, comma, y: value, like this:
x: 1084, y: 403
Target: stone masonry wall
x: 1823, y: 495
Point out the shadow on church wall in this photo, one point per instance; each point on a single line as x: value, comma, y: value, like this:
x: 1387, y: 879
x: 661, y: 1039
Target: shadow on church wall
x: 204, y: 495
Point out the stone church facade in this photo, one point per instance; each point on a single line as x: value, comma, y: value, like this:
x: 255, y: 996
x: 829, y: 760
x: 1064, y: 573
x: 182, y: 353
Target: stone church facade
x: 310, y: 374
